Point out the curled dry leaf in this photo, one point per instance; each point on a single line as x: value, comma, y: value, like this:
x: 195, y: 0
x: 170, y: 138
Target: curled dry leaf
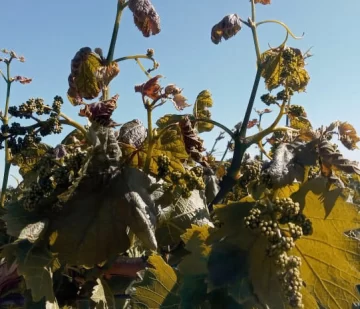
x: 226, y: 28
x: 22, y: 79
x: 151, y: 88
x: 252, y: 123
x: 265, y: 2
x: 145, y: 17
x: 331, y: 158
x: 89, y: 75
x: 193, y: 144
x: 100, y: 112
x: 348, y: 135
x: 179, y: 102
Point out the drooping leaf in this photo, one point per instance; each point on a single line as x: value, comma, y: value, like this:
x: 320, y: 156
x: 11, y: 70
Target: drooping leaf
x: 201, y: 110
x: 193, y: 143
x: 284, y: 66
x: 150, y: 88
x: 98, y: 214
x: 145, y: 17
x: 348, y: 135
x: 226, y: 28
x: 195, y: 263
x: 331, y: 261
x: 89, y: 75
x: 102, y: 296
x: 331, y: 158
x: 159, y: 287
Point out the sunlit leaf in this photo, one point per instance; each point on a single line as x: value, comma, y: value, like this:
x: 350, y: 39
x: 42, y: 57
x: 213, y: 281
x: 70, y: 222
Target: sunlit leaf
x: 284, y: 66
x: 300, y: 123
x: 331, y: 261
x: 102, y: 295
x: 201, y: 110
x: 159, y: 287
x: 195, y: 263
x: 168, y: 119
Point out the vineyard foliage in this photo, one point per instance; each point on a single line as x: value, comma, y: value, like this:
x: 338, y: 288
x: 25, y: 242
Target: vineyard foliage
x: 142, y: 216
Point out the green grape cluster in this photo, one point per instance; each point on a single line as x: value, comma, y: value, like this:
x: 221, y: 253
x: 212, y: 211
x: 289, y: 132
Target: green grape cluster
x: 250, y: 171
x: 163, y: 165
x: 281, y: 223
x: 297, y: 110
x: 284, y: 95
x: 57, y: 104
x: 290, y: 278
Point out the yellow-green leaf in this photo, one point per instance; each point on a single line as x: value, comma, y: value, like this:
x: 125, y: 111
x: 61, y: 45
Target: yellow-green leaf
x: 27, y: 158
x: 159, y: 287
x: 201, y: 110
x: 330, y: 260
x: 284, y: 66
x: 195, y: 263
x: 300, y: 123
x: 286, y: 191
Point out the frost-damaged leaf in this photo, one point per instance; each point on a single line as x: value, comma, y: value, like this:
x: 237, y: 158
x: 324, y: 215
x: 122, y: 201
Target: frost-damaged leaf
x: 89, y: 75
x: 284, y: 66
x: 193, y: 143
x: 263, y: 1
x: 181, y: 215
x: 98, y: 214
x: 348, y: 135
x: 33, y: 231
x: 201, y: 110
x: 332, y: 158
x: 151, y: 88
x: 36, y: 265
x: 133, y: 133
x: 159, y: 287
x: 226, y: 28
x: 101, y: 112
x: 22, y: 79
x: 330, y: 260
x: 180, y: 101
x: 102, y: 295
x: 195, y: 263
x: 145, y: 17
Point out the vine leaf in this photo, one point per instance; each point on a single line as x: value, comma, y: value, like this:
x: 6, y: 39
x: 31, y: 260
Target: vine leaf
x: 169, y: 144
x: 284, y: 66
x: 168, y: 119
x: 159, y: 287
x: 36, y: 265
x: 195, y: 263
x: 180, y: 215
x: 102, y: 295
x: 348, y: 135
x: 333, y: 159
x: 27, y: 159
x: 201, y: 110
x: 300, y: 123
x: 100, y: 219
x: 330, y: 260
x: 89, y: 75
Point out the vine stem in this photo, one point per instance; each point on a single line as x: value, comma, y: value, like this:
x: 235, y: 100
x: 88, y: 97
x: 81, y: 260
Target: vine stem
x: 7, y: 150
x: 281, y: 24
x: 120, y: 7
x: 151, y: 140
x: 241, y: 142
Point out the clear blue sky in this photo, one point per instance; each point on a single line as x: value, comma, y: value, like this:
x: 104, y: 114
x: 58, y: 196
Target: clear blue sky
x: 49, y: 33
